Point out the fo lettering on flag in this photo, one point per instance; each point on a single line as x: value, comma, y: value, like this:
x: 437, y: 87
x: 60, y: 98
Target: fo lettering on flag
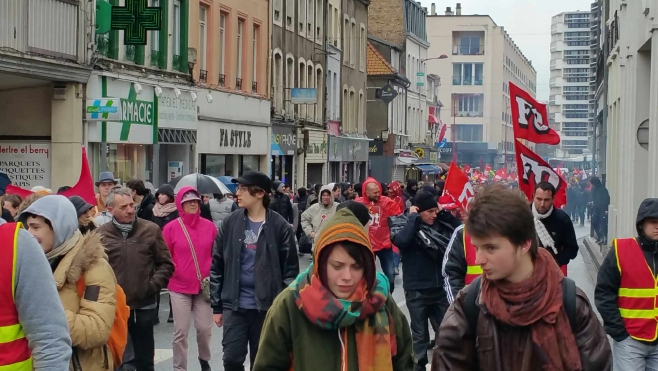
x: 530, y: 119
x: 458, y: 187
x: 532, y: 170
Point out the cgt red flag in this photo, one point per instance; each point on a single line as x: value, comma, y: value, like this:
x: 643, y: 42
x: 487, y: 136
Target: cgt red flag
x: 532, y: 170
x: 530, y: 119
x: 458, y: 187
x: 83, y: 188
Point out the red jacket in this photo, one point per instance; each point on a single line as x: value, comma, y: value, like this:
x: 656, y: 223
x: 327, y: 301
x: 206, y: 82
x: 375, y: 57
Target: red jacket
x: 380, y: 234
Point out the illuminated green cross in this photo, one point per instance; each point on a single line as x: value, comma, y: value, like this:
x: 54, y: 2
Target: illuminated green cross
x: 135, y: 19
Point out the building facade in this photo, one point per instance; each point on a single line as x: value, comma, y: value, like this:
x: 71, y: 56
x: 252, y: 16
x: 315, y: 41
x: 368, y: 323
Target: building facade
x: 299, y: 62
x: 632, y: 110
x: 44, y: 67
x: 571, y: 96
x: 482, y: 59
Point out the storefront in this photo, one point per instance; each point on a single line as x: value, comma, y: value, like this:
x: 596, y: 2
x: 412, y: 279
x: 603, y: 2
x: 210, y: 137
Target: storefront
x: 177, y: 135
x: 472, y: 153
x: 380, y: 164
x: 27, y: 164
x: 129, y: 142
x: 348, y: 159
x: 233, y: 134
x: 312, y: 163
x: 283, y: 149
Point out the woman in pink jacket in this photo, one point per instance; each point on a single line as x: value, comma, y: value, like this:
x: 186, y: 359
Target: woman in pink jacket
x: 184, y: 285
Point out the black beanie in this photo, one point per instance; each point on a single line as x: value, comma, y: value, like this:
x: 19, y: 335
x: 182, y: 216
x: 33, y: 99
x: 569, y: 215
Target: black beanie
x: 358, y: 209
x: 425, y: 201
x: 431, y: 190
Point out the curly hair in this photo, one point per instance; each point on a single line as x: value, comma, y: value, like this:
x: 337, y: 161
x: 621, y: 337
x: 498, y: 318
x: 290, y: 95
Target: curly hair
x: 29, y: 200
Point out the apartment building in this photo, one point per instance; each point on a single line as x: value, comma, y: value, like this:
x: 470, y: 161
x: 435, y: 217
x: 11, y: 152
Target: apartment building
x: 348, y: 143
x: 482, y: 59
x: 44, y: 66
x: 571, y: 97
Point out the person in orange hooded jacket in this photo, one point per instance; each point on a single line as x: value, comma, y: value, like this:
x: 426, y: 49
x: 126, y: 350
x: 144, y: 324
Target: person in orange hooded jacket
x: 380, y: 208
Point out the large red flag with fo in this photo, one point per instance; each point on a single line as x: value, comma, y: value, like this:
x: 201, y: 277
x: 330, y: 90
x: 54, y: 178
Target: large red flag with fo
x: 458, y: 187
x: 532, y: 170
x: 530, y: 118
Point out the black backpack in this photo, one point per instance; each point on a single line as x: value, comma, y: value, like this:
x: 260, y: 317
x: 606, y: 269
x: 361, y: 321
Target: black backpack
x: 472, y: 310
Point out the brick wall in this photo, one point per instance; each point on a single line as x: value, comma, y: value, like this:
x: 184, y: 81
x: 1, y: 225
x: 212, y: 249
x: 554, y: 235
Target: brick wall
x: 386, y: 21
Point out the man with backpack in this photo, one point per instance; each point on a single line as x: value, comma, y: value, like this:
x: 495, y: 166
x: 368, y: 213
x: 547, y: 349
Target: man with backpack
x: 522, y: 314
x: 625, y: 293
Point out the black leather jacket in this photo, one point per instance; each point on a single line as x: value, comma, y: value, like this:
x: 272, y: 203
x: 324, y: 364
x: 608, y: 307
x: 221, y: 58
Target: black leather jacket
x: 276, y: 263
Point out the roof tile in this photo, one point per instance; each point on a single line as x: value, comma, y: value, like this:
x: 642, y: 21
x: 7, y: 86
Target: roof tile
x: 377, y: 64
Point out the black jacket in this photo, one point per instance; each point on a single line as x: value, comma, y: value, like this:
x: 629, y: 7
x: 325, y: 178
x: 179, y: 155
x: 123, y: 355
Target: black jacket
x: 276, y: 263
x: 454, y: 265
x: 600, y: 196
x: 421, y: 269
x: 301, y: 203
x: 609, y: 277
x: 146, y: 207
x: 560, y: 226
x: 162, y: 221
x: 282, y: 205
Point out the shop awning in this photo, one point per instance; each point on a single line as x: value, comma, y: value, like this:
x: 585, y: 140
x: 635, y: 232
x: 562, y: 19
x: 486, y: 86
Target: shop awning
x: 429, y: 169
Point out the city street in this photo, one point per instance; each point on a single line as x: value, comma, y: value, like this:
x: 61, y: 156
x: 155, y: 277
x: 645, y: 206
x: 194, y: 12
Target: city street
x: 581, y: 269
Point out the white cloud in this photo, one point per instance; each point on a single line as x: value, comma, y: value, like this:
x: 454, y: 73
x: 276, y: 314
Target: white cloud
x: 527, y: 22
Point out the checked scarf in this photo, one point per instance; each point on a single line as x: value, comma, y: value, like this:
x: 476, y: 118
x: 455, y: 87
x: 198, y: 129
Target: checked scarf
x: 375, y: 333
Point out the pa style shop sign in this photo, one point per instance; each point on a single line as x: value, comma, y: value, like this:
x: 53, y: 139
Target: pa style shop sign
x: 230, y: 138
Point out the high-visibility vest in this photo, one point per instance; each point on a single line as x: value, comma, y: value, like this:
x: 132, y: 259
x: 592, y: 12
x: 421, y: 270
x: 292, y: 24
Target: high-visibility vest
x: 637, y: 291
x: 472, y: 270
x: 15, y: 354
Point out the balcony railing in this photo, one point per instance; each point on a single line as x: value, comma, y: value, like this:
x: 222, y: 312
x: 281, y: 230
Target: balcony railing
x: 130, y: 53
x: 254, y: 87
x: 155, y: 58
x: 238, y: 84
x: 468, y: 49
x: 222, y: 80
x: 177, y: 62
x: 203, y: 76
x: 459, y: 80
x: 470, y: 114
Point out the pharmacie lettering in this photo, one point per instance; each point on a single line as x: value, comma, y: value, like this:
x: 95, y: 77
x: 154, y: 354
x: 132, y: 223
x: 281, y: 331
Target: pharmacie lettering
x: 135, y: 111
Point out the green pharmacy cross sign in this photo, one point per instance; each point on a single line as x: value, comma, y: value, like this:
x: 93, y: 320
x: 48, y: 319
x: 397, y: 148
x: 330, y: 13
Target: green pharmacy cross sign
x: 135, y: 19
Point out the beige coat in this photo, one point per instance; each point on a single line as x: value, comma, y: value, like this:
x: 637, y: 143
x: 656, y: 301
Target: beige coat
x: 91, y: 317
x: 316, y: 216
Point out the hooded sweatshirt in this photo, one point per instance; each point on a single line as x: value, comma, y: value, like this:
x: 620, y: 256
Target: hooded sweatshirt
x: 59, y: 211
x: 380, y: 210
x: 318, y: 214
x: 202, y: 233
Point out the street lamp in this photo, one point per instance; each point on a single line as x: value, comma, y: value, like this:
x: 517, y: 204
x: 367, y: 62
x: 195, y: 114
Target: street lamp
x: 442, y: 56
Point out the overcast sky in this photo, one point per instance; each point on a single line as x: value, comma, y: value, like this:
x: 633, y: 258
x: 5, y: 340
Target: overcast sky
x: 528, y: 22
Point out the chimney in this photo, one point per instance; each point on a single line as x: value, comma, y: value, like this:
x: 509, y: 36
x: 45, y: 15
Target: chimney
x: 433, y: 9
x: 448, y: 11
x: 459, y: 9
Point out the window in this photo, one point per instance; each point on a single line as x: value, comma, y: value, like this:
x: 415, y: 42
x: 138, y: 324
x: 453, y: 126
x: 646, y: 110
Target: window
x: 319, y: 85
x: 310, y: 81
x: 336, y: 107
x: 203, y: 42
x: 362, y: 49
x: 277, y: 12
x: 478, y: 73
x: 361, y: 113
x: 469, y: 45
x: 290, y: 82
x: 310, y: 30
x: 278, y: 81
x: 155, y: 40
x: 346, y: 121
x: 468, y: 133
x: 238, y: 73
x: 467, y: 73
x: 337, y: 28
x: 353, y: 45
x: 176, y: 33
x: 467, y: 105
x: 222, y: 48
x: 301, y: 14
x: 346, y: 45
x: 301, y: 71
x: 290, y: 15
x: 318, y: 21
x: 254, y: 64
x: 352, y: 111
x: 331, y: 35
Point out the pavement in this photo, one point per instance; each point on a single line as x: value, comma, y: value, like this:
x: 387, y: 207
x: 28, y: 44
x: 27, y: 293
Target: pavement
x: 582, y: 270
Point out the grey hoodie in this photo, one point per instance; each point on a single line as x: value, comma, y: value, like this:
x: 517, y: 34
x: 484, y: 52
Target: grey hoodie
x: 59, y: 211
x: 40, y: 311
x: 318, y: 214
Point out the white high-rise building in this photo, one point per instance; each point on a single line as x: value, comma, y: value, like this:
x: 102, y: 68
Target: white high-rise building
x: 571, y: 95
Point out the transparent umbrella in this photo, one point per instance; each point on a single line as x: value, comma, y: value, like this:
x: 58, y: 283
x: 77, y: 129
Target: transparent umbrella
x: 204, y: 184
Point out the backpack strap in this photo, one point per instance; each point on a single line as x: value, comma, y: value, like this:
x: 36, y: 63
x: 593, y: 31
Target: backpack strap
x: 471, y: 308
x: 569, y: 301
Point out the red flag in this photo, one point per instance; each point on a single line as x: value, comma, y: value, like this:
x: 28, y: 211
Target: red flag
x: 532, y: 169
x: 83, y: 188
x: 530, y: 118
x: 467, y: 168
x: 501, y: 173
x: 458, y: 187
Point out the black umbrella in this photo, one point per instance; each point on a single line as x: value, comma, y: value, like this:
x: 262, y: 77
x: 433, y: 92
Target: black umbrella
x: 204, y: 184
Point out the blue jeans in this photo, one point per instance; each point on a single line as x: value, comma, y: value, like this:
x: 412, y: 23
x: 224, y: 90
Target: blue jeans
x: 632, y: 355
x: 387, y: 261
